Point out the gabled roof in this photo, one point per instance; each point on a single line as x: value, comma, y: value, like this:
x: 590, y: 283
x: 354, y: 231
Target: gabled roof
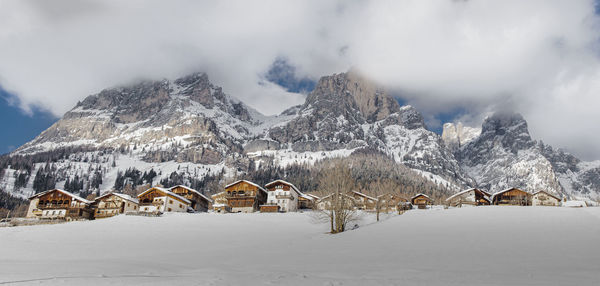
x: 547, y: 193
x: 418, y: 195
x: 166, y: 191
x: 468, y: 190
x: 191, y: 190
x: 311, y: 195
x: 248, y: 182
x: 286, y: 183
x: 120, y: 195
x: 75, y: 197
x: 364, y: 195
x: 506, y: 190
x: 327, y: 196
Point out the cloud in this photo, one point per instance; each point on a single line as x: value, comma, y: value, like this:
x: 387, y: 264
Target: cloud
x: 537, y: 57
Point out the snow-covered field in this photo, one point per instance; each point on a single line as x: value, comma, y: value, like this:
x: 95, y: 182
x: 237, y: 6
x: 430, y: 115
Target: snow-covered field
x: 468, y: 246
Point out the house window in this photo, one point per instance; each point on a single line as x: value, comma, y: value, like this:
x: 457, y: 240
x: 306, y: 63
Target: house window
x: 180, y: 205
x: 169, y: 209
x: 170, y: 201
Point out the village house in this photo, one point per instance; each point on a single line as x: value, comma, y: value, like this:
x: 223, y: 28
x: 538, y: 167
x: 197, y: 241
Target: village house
x: 219, y: 204
x: 282, y: 196
x: 307, y: 201
x: 421, y: 201
x: 470, y: 197
x: 162, y: 200
x: 363, y: 201
x: 543, y: 198
x: 200, y: 202
x: 326, y: 202
x: 390, y: 202
x: 112, y: 204
x: 512, y: 197
x: 245, y: 196
x: 59, y: 204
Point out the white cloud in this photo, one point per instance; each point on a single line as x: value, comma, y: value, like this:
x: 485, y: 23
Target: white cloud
x: 539, y: 57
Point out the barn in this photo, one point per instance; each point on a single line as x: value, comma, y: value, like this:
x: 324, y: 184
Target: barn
x: 512, y: 197
x: 543, y: 198
x: 421, y: 201
x: 469, y: 197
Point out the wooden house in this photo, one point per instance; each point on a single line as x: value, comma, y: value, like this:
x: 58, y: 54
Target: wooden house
x: 112, y: 204
x: 59, y: 204
x: 326, y: 202
x: 245, y: 196
x: 219, y: 203
x: 162, y: 200
x: 282, y: 196
x: 363, y: 201
x: 470, y: 197
x: 199, y: 201
x: 543, y: 198
x: 390, y: 202
x: 421, y: 201
x: 307, y: 201
x: 512, y: 197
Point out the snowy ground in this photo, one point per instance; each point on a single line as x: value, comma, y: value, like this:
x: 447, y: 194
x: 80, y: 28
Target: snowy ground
x: 468, y: 246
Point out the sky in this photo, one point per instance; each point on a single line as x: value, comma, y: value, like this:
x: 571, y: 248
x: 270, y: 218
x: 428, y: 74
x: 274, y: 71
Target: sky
x: 453, y: 60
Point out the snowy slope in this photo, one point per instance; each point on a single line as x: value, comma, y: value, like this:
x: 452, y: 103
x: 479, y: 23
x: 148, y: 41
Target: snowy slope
x: 467, y: 246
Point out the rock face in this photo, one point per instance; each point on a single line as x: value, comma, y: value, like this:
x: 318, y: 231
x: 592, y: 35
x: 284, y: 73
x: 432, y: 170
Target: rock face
x: 188, y: 119
x: 190, y: 122
x: 457, y: 135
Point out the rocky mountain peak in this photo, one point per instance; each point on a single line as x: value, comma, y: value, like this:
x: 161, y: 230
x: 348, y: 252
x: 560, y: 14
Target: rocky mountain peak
x: 354, y: 91
x: 456, y: 135
x: 508, y: 129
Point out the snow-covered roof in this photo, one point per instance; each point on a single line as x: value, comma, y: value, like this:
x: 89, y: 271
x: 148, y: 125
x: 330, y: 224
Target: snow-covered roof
x: 547, y: 193
x: 248, y: 182
x: 76, y: 197
x: 191, y: 190
x: 364, y: 195
x: 167, y: 192
x: 506, y: 190
x: 284, y: 182
x: 418, y: 195
x: 465, y: 191
x: 311, y: 195
x: 120, y: 195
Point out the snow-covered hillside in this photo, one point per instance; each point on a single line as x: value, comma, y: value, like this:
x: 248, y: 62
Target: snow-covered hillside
x: 467, y: 246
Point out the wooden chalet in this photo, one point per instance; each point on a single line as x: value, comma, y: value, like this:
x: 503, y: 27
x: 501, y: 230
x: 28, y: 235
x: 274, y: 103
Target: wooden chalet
x: 199, y: 201
x: 59, y: 204
x: 470, y: 197
x: 512, y: 197
x: 307, y: 201
x: 326, y: 202
x: 112, y: 204
x: 543, y: 198
x: 421, y: 201
x: 282, y: 196
x: 219, y: 203
x: 245, y: 196
x: 363, y: 201
x: 162, y: 200
x: 390, y: 202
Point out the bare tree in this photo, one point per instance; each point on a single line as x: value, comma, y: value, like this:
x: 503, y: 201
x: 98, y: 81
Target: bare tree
x: 336, y: 206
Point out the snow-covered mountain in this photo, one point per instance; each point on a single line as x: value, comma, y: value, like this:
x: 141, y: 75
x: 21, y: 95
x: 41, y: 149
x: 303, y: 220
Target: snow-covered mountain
x: 504, y: 155
x: 189, y: 130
